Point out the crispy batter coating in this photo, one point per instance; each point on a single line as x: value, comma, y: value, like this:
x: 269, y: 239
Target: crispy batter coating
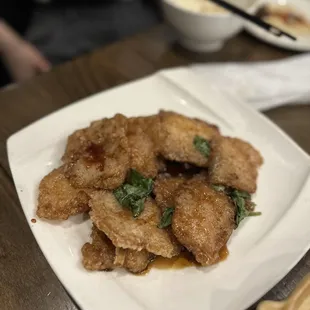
x: 103, y: 165
x: 165, y: 188
x: 203, y: 220
x: 99, y: 156
x: 107, y: 169
x: 100, y: 253
x: 77, y: 144
x: 134, y: 261
x: 58, y: 199
x: 143, y: 154
x: 96, y: 133
x: 129, y: 233
x: 234, y: 163
x: 178, y: 133
x: 150, y: 125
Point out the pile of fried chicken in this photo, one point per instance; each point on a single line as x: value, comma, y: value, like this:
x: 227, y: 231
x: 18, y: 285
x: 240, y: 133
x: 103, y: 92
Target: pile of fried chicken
x: 152, y: 186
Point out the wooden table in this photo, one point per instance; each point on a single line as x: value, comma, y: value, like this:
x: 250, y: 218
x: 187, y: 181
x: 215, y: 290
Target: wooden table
x: 26, y: 280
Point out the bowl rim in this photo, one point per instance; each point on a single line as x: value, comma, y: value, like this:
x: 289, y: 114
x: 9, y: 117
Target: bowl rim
x: 213, y: 14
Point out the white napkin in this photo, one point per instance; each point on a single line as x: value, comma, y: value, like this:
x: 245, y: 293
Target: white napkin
x: 264, y: 85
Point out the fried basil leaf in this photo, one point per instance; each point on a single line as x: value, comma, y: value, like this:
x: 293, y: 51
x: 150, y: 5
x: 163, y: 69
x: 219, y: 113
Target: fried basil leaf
x: 202, y: 145
x: 240, y: 199
x: 166, y: 218
x: 132, y: 194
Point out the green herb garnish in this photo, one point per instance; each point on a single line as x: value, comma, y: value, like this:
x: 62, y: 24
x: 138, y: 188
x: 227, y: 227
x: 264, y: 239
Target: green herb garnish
x: 240, y: 198
x: 132, y: 194
x: 242, y: 201
x: 202, y: 145
x: 243, y: 194
x: 166, y: 218
x: 219, y: 188
x: 137, y: 179
x: 137, y: 207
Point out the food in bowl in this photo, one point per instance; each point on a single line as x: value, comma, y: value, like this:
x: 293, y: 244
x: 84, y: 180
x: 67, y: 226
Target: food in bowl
x: 160, y: 186
x: 285, y: 17
x: 200, y: 6
x: 204, y: 27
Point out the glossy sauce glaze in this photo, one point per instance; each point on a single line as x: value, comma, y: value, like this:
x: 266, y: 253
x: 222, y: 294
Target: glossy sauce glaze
x: 94, y: 155
x: 184, y: 260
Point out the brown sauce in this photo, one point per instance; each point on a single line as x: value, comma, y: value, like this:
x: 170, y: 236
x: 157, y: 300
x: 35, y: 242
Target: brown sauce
x: 33, y: 220
x: 224, y: 253
x: 184, y: 260
x: 94, y: 154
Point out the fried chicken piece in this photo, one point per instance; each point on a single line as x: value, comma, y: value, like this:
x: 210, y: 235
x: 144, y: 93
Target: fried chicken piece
x: 76, y: 145
x: 106, y: 167
x: 178, y: 133
x: 130, y: 233
x: 150, y: 125
x: 143, y: 155
x: 134, y: 261
x: 103, y: 164
x: 203, y: 220
x: 100, y: 253
x: 234, y: 163
x: 165, y: 188
x: 80, y: 140
x: 58, y: 199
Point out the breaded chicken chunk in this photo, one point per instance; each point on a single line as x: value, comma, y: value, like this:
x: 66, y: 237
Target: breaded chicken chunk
x: 150, y: 125
x: 58, y: 199
x: 165, y: 188
x: 77, y: 144
x: 203, y: 220
x: 100, y: 253
x: 134, y: 261
x: 234, y: 163
x: 178, y: 134
x: 96, y: 133
x: 100, y: 156
x: 130, y: 233
x: 102, y: 165
x: 143, y: 154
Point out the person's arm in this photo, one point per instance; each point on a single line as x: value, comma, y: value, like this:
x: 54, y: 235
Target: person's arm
x: 22, y: 59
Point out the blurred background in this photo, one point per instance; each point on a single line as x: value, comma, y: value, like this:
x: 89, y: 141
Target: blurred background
x: 37, y: 34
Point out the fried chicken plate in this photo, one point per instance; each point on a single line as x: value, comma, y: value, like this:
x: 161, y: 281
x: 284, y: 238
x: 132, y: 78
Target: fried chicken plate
x: 152, y: 186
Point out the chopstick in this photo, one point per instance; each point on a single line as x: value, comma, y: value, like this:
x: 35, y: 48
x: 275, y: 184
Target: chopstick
x: 253, y: 19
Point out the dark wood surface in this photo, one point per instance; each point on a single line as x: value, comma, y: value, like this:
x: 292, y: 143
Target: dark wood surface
x: 26, y: 280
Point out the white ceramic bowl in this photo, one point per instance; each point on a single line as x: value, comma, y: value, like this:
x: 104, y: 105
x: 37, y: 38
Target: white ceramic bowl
x: 205, y: 32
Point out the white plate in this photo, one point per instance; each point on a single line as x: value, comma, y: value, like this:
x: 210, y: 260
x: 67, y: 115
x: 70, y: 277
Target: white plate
x: 262, y: 250
x: 303, y: 42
